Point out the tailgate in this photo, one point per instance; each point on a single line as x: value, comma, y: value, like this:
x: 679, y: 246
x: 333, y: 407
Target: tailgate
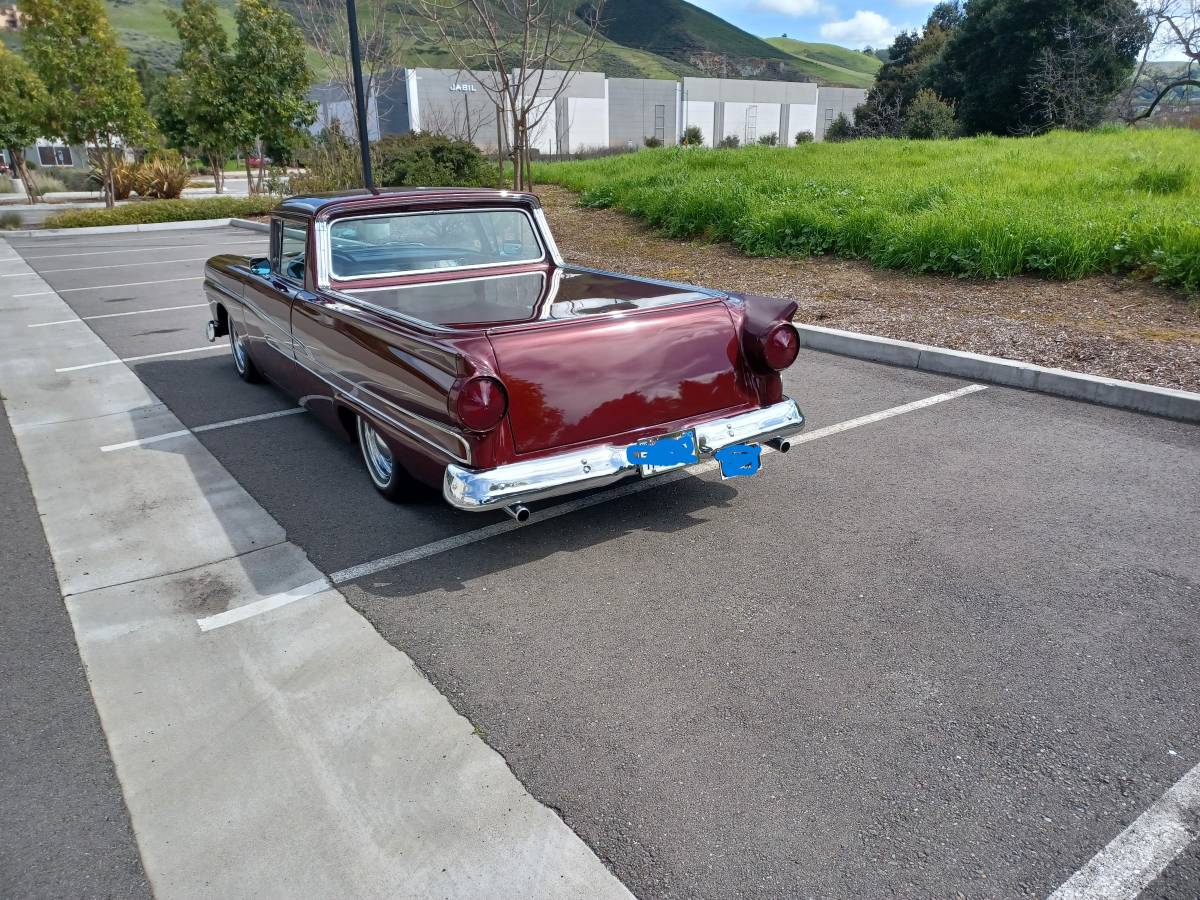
x: 589, y: 380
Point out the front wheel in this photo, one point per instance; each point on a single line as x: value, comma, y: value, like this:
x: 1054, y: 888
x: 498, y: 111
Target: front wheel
x: 387, y: 475
x: 246, y: 369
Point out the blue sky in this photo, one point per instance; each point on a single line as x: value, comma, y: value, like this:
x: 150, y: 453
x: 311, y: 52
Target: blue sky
x: 850, y: 23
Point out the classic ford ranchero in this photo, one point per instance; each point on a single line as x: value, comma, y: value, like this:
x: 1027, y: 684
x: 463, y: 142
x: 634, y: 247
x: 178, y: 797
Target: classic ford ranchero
x: 441, y: 330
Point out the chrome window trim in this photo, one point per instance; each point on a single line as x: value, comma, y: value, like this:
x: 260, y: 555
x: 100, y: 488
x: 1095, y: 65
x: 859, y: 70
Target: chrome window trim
x: 533, y: 226
x: 277, y: 264
x: 423, y: 284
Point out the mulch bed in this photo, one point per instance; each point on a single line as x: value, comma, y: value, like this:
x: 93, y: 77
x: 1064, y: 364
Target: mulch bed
x: 1110, y: 326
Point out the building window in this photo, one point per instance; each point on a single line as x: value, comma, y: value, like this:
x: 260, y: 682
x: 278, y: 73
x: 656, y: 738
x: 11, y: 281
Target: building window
x: 660, y: 122
x: 751, y: 124
x: 55, y: 156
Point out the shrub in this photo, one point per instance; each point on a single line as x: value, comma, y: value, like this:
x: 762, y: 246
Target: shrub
x: 769, y: 140
x: 7, y: 185
x: 652, y: 142
x: 9, y: 221
x: 804, y: 137
x: 729, y: 142
x: 431, y: 160
x: 929, y: 117
x: 165, y: 211
x: 46, y: 184
x: 163, y: 177
x: 839, y: 129
x: 77, y: 180
x: 692, y: 136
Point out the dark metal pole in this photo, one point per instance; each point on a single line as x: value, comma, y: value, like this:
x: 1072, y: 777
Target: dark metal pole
x: 360, y: 100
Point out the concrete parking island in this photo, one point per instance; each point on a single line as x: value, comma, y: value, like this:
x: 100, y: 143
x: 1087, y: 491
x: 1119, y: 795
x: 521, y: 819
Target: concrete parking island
x: 300, y: 756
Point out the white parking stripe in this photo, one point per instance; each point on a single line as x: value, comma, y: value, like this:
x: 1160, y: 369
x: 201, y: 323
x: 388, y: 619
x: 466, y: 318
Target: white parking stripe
x: 129, y: 359
x: 453, y: 542
x: 104, y: 287
x: 135, y: 312
x: 130, y: 265
x: 160, y: 248
x: 1138, y: 855
x: 214, y: 426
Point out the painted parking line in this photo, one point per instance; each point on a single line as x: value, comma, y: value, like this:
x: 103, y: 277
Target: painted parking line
x: 129, y: 265
x: 214, y: 426
x: 159, y: 247
x: 1140, y: 853
x: 103, y: 287
x: 135, y: 312
x: 275, y: 601
x: 129, y: 359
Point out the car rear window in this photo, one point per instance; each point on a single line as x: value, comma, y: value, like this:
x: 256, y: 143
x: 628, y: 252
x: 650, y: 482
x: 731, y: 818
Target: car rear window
x: 373, y: 246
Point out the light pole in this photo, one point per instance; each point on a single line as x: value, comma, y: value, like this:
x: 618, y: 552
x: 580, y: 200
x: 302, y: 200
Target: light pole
x: 360, y: 99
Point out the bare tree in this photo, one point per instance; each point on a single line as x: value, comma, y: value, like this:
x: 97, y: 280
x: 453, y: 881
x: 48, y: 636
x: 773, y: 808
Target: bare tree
x: 522, y: 52
x: 383, y: 43
x: 1174, y: 25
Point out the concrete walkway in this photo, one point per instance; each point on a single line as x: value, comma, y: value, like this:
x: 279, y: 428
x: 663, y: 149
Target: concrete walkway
x: 295, y: 755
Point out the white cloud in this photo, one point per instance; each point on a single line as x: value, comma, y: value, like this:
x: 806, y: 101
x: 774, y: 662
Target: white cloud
x: 864, y: 28
x: 793, y: 7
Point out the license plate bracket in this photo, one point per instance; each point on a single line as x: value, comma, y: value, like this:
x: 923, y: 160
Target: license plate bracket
x: 664, y: 453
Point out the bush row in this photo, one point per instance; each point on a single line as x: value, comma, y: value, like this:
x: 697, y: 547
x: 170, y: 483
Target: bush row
x: 148, y: 211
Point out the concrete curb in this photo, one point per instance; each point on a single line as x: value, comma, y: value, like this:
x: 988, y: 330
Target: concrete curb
x: 127, y: 229
x: 1143, y: 398
x: 252, y: 226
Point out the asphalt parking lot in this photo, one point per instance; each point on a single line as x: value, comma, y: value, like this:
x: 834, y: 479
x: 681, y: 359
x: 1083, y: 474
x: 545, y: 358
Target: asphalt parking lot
x: 946, y: 652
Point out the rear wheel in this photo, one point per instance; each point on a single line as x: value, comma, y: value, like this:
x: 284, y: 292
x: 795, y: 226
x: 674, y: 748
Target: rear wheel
x: 246, y: 369
x: 387, y: 475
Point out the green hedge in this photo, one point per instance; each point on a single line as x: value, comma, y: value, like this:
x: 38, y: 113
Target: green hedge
x: 147, y: 211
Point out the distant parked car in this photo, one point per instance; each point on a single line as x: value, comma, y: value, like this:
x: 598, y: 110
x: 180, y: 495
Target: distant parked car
x: 441, y: 329
x: 257, y: 162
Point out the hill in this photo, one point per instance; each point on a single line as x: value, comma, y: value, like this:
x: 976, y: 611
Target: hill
x: 829, y: 63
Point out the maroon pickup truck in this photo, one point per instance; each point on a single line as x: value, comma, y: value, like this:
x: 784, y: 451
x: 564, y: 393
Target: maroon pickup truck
x: 442, y: 331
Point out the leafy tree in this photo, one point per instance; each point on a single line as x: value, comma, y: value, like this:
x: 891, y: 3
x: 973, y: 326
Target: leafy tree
x: 769, y: 140
x: 199, y: 108
x: 94, y: 96
x: 272, y: 79
x: 804, y: 137
x: 929, y: 117
x: 988, y: 67
x: 692, y: 136
x: 21, y: 114
x: 905, y: 71
x: 730, y: 141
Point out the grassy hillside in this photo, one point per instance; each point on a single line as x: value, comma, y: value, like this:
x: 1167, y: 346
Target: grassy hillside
x: 1064, y: 205
x: 829, y: 63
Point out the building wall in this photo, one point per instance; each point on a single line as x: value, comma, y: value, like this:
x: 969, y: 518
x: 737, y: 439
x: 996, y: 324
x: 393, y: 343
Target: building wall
x: 639, y: 108
x: 747, y: 109
x: 834, y: 100
x: 51, y: 155
x: 801, y: 117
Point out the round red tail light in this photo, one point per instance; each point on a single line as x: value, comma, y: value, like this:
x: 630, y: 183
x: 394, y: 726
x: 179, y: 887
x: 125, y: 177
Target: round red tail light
x: 781, y: 346
x: 481, y: 403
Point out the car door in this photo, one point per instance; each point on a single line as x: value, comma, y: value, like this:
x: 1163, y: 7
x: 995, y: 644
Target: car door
x: 268, y: 299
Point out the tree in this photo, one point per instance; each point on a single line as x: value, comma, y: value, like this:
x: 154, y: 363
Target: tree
x: 198, y: 108
x: 93, y: 95
x: 839, y: 129
x: 21, y: 113
x: 692, y: 136
x: 1173, y: 25
x: 990, y: 68
x: 522, y: 53
x: 272, y: 79
x: 929, y: 117
x: 804, y: 137
x: 382, y: 41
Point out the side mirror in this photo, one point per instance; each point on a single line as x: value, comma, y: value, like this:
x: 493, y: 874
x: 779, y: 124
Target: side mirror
x: 260, y: 267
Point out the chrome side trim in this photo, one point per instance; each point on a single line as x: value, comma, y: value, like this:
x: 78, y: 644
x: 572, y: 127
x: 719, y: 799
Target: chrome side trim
x: 539, y: 216
x: 354, y: 392
x: 592, y: 467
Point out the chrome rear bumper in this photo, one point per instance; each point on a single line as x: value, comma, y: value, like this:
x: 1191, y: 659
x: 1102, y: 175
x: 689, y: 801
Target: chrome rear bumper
x: 593, y: 467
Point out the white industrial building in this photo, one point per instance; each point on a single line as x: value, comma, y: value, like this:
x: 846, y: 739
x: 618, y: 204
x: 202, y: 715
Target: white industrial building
x: 595, y: 112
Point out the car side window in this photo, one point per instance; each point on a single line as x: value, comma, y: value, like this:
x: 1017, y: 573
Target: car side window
x: 293, y: 241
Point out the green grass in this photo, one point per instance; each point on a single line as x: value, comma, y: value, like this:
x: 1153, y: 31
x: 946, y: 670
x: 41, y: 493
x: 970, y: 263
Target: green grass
x: 147, y: 211
x: 1062, y: 205
x: 829, y: 63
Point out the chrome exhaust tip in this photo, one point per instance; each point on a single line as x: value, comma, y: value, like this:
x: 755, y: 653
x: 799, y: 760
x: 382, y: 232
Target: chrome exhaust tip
x: 211, y: 330
x: 780, y: 445
x: 518, y: 512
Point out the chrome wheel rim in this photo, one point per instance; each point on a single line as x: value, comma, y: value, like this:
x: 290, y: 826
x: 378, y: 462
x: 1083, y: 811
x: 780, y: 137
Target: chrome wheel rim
x: 376, y: 454
x: 239, y: 350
